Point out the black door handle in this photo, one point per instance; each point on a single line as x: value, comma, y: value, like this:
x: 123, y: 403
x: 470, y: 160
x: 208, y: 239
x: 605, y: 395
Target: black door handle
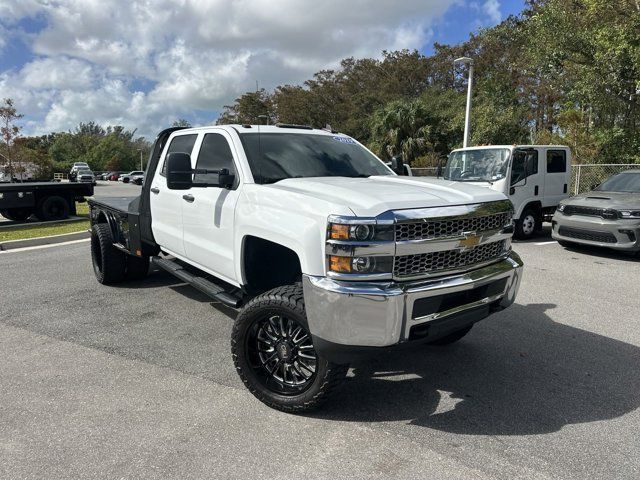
x: 188, y: 198
x: 155, y: 190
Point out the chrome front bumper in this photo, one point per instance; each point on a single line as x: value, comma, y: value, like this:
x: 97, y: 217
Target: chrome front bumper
x: 381, y: 314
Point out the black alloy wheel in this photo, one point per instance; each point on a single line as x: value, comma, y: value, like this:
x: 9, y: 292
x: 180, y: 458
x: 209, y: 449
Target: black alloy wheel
x: 281, y: 354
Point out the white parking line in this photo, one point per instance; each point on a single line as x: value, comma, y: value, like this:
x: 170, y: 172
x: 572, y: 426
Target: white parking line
x: 545, y: 243
x: 50, y: 245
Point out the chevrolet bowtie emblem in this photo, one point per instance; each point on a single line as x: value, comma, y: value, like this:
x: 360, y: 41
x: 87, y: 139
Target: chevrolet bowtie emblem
x: 471, y: 239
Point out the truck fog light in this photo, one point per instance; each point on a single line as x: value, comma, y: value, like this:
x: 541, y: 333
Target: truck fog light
x: 361, y: 232
x: 363, y: 264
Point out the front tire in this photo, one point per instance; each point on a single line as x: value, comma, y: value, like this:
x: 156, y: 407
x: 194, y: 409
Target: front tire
x: 109, y: 263
x: 527, y: 225
x: 274, y: 355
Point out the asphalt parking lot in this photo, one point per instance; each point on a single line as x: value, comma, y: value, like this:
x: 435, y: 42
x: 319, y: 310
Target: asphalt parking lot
x: 136, y: 381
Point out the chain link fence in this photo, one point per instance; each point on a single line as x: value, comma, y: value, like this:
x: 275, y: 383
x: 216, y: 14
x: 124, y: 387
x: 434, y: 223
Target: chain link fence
x: 586, y: 177
x: 583, y: 177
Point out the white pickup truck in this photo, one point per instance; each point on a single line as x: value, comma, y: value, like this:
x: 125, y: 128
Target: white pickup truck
x: 326, y: 253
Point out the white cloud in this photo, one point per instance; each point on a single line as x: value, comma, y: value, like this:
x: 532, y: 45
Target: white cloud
x: 491, y: 9
x: 57, y: 73
x: 193, y: 54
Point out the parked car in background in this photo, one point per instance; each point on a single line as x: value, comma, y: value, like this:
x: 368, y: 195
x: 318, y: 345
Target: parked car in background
x: 85, y: 176
x: 113, y: 176
x: 137, y: 179
x: 126, y: 178
x: 608, y: 216
x: 73, y: 174
x: 534, y: 177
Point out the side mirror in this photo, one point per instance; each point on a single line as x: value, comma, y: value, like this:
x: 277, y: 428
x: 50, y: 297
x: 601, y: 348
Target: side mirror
x: 594, y: 186
x: 179, y: 172
x: 226, y: 179
x: 397, y: 165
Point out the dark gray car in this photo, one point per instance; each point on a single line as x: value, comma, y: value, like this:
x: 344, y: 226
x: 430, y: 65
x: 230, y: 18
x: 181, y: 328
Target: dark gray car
x: 608, y: 216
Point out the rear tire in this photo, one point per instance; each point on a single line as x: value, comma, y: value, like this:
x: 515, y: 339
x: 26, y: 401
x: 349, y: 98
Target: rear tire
x: 527, y: 225
x: 52, y: 208
x: 109, y: 263
x: 275, y: 357
x: 17, y: 214
x: 452, y: 337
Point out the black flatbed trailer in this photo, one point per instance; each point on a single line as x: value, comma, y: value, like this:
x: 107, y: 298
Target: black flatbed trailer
x: 47, y: 200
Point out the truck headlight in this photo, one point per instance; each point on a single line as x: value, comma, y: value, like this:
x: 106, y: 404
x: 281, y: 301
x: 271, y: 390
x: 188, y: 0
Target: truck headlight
x: 561, y: 207
x: 631, y: 214
x: 360, y: 232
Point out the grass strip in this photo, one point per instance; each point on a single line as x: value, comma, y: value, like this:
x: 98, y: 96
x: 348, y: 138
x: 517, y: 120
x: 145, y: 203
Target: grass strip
x: 22, y: 232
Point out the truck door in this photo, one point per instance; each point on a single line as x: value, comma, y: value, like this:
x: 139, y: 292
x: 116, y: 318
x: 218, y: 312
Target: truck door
x: 556, y: 177
x: 166, y: 205
x: 208, y: 215
x: 526, y: 185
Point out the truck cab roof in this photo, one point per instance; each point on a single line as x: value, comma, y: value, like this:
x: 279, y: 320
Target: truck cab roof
x: 265, y: 129
x: 510, y: 147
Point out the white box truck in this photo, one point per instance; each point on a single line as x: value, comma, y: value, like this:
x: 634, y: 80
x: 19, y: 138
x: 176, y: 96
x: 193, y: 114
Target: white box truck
x: 534, y: 177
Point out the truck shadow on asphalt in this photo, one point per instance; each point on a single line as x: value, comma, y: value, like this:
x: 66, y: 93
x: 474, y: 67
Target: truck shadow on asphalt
x: 518, y: 373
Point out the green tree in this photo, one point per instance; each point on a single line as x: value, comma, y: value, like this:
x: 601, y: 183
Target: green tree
x: 181, y: 122
x: 250, y: 108
x: 9, y: 131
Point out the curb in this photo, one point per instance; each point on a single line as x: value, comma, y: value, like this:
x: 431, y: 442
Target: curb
x: 52, y: 239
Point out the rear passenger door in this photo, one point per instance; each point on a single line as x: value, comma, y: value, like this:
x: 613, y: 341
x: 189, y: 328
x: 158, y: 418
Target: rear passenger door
x: 166, y: 205
x: 556, y: 176
x: 208, y: 216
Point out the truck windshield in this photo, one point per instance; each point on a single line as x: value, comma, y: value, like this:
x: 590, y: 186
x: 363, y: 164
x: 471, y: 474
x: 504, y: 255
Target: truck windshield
x: 477, y: 165
x: 277, y: 156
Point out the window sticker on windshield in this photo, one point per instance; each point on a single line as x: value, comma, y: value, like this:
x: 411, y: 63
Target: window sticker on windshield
x: 345, y: 140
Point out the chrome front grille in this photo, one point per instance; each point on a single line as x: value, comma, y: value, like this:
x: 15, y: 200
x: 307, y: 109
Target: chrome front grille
x: 432, y: 262
x: 451, y: 227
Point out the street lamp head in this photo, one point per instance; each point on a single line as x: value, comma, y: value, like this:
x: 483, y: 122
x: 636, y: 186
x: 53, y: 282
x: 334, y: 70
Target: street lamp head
x: 464, y: 60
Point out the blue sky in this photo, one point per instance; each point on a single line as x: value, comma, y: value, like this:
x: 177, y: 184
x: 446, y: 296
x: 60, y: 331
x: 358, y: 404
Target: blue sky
x: 144, y: 65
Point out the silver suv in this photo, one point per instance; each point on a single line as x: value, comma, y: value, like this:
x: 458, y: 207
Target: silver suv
x: 608, y: 216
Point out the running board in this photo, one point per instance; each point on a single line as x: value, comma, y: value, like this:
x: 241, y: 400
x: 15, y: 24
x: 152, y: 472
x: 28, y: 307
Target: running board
x: 205, y: 286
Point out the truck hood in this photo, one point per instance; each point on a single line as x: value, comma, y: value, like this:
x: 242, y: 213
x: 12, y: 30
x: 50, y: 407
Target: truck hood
x: 368, y: 197
x: 617, y: 200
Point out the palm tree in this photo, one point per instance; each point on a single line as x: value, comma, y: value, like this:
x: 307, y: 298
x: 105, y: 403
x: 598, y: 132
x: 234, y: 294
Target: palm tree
x: 402, y: 127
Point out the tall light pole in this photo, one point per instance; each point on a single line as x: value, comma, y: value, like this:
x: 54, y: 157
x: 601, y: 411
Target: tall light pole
x: 140, y: 150
x: 467, y: 116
